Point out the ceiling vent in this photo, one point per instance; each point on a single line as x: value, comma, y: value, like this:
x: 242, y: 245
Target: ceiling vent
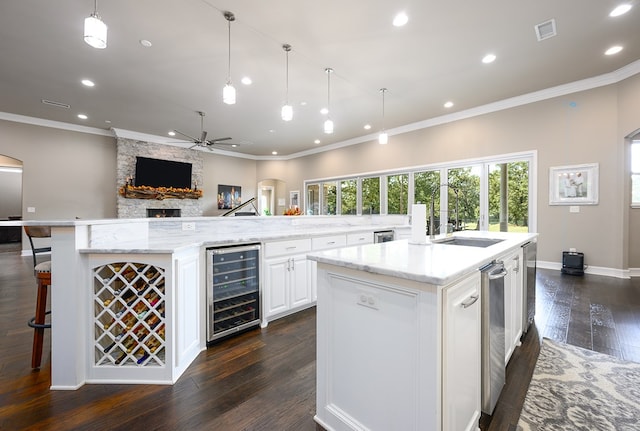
x: 56, y: 104
x: 546, y: 30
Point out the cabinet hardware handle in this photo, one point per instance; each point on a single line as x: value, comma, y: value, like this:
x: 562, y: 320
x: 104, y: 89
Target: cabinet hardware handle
x: 469, y: 302
x: 331, y: 242
x: 293, y: 247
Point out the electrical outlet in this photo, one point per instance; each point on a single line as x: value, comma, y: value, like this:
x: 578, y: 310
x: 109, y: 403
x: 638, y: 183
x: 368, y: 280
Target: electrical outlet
x: 572, y: 250
x: 188, y: 226
x: 31, y: 209
x: 368, y: 300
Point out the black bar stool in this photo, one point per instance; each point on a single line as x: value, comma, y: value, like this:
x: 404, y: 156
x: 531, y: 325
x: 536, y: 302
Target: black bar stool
x: 43, y: 276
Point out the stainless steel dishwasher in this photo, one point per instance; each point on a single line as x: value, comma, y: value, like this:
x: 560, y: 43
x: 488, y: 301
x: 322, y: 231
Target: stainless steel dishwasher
x: 492, y: 339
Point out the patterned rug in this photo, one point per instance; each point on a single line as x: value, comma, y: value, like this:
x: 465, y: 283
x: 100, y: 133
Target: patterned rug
x: 577, y: 389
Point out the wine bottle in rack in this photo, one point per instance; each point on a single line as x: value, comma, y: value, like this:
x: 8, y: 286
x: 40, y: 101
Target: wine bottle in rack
x: 121, y: 358
x: 142, y: 358
x: 110, y: 346
x: 129, y: 320
x: 129, y: 344
x: 152, y: 343
x: 152, y: 298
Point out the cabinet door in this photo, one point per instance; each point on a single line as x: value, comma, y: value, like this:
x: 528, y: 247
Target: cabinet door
x: 299, y: 281
x: 461, y: 355
x: 512, y: 304
x: 275, y: 293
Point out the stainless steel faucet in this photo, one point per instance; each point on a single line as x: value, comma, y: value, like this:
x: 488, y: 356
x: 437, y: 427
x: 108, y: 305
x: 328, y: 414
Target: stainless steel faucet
x: 432, y: 208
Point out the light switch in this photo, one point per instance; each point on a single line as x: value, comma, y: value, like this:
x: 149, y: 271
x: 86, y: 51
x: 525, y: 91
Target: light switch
x: 31, y: 209
x: 574, y: 209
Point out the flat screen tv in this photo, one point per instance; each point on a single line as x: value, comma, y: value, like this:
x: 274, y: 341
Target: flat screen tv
x: 162, y: 173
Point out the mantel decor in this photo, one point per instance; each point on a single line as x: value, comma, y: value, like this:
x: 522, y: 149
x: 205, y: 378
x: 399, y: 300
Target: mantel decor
x: 158, y: 193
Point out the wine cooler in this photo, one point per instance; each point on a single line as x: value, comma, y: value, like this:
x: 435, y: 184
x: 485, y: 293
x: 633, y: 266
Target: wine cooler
x: 233, y: 290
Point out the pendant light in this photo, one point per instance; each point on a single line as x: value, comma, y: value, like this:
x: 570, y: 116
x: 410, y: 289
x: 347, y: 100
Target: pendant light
x: 229, y: 92
x: 328, y: 124
x: 383, y: 138
x: 95, y: 30
x: 287, y: 110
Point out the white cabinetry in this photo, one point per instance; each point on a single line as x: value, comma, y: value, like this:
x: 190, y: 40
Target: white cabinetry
x: 397, y: 354
x: 360, y: 238
x: 287, y: 283
x: 461, y: 356
x: 512, y: 302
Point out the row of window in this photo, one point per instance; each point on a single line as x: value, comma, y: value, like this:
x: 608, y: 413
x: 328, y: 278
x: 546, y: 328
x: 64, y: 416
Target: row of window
x: 485, y: 195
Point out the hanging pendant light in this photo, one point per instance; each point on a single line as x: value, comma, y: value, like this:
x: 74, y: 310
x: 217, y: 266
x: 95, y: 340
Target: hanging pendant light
x: 229, y: 92
x: 383, y: 138
x: 328, y: 124
x: 287, y: 110
x: 95, y: 30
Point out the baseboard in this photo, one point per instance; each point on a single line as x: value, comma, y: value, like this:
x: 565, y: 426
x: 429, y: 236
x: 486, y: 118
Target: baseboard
x: 596, y: 270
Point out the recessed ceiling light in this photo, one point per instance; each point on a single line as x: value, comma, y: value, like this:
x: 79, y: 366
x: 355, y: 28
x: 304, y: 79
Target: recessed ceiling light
x: 620, y: 10
x: 171, y: 133
x: 317, y: 141
x: 146, y: 43
x: 88, y: 83
x: 324, y: 111
x: 303, y: 103
x: 367, y: 126
x: 400, y: 19
x: 272, y: 131
x: 275, y: 153
x: 489, y: 58
x: 234, y: 145
x: 246, y: 80
x: 82, y: 116
x: 448, y: 104
x: 613, y: 50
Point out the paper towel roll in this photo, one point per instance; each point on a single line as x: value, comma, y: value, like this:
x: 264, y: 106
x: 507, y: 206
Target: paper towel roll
x: 418, y: 224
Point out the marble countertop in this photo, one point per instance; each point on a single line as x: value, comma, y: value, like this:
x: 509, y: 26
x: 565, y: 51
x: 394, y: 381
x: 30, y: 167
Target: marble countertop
x: 434, y: 263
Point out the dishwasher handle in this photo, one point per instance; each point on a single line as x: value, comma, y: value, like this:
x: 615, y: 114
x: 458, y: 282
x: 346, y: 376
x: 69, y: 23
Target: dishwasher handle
x: 502, y: 272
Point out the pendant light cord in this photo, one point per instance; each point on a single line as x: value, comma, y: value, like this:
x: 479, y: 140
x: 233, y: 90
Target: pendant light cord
x: 229, y: 51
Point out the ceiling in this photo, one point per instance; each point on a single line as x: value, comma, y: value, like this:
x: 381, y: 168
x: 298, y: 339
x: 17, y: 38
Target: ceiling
x: 435, y: 58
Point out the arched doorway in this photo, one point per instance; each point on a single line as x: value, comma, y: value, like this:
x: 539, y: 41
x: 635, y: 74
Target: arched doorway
x: 10, y: 202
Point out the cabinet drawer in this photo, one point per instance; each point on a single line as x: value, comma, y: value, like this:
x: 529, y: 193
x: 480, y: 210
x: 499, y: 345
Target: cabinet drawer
x: 327, y: 242
x: 293, y: 246
x: 360, y: 238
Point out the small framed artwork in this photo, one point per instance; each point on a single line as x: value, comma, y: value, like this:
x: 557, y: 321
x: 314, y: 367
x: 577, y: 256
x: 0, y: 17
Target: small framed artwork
x: 229, y: 197
x: 294, y: 198
x: 573, y: 185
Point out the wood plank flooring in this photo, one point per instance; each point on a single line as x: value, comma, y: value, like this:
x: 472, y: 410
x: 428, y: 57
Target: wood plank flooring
x: 265, y: 379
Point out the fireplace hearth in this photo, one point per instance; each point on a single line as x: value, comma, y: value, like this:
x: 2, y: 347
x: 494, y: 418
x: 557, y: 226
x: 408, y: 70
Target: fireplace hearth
x: 163, y: 212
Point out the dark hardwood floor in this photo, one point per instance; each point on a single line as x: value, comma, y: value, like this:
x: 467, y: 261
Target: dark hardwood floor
x: 265, y: 379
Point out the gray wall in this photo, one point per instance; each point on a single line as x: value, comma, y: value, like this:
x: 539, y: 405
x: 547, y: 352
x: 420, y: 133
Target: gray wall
x: 592, y: 130
x: 69, y: 174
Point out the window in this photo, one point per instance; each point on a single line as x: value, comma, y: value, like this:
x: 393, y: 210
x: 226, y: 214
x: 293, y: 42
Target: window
x: 397, y: 193
x: 371, y: 195
x: 635, y: 173
x: 490, y: 194
x: 348, y: 197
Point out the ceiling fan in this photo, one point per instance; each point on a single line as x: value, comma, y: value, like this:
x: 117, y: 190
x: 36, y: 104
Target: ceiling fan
x: 203, y: 141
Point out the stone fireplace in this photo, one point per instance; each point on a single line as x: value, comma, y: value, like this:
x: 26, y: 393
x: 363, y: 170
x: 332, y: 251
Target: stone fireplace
x: 126, y: 153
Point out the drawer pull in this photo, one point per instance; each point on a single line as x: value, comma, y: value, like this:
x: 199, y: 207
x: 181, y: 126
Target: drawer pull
x: 469, y: 302
x: 293, y: 247
x: 331, y: 242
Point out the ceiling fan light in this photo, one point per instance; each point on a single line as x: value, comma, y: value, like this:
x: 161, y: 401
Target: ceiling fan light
x: 229, y: 94
x: 328, y: 126
x: 383, y: 138
x: 95, y: 31
x: 287, y: 112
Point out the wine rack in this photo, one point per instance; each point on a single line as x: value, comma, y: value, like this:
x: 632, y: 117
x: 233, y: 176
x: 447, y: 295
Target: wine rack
x: 233, y: 290
x: 129, y: 304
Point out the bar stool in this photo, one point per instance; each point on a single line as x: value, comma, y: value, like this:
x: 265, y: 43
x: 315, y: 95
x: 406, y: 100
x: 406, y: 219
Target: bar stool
x: 43, y: 276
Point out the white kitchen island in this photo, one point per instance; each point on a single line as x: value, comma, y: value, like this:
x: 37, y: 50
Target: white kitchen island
x: 398, y: 334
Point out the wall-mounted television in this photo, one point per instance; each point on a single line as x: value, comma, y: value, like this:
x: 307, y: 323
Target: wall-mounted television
x: 162, y: 173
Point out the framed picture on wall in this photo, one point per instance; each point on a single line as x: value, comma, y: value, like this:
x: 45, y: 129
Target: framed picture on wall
x: 294, y: 198
x: 229, y: 197
x: 573, y: 185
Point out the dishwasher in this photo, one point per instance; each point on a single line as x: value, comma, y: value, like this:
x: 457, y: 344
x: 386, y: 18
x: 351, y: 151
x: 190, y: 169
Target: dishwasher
x: 493, y: 334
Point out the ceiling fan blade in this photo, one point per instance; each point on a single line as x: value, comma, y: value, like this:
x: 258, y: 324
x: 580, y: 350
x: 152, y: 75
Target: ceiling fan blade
x: 185, y: 135
x: 219, y: 139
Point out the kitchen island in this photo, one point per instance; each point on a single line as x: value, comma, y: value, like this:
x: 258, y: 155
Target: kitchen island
x: 129, y: 296
x: 399, y: 332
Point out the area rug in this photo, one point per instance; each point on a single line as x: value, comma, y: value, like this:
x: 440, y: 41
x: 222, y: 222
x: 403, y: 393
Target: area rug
x: 577, y: 389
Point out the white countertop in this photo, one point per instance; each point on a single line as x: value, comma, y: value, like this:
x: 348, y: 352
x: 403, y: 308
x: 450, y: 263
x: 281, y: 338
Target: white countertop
x: 433, y: 263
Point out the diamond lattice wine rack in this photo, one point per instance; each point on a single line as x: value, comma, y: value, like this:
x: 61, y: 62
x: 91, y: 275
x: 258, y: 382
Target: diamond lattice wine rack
x: 129, y: 303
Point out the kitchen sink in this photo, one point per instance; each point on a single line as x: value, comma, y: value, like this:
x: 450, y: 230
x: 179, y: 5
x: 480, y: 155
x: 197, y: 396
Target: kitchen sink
x: 469, y: 242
